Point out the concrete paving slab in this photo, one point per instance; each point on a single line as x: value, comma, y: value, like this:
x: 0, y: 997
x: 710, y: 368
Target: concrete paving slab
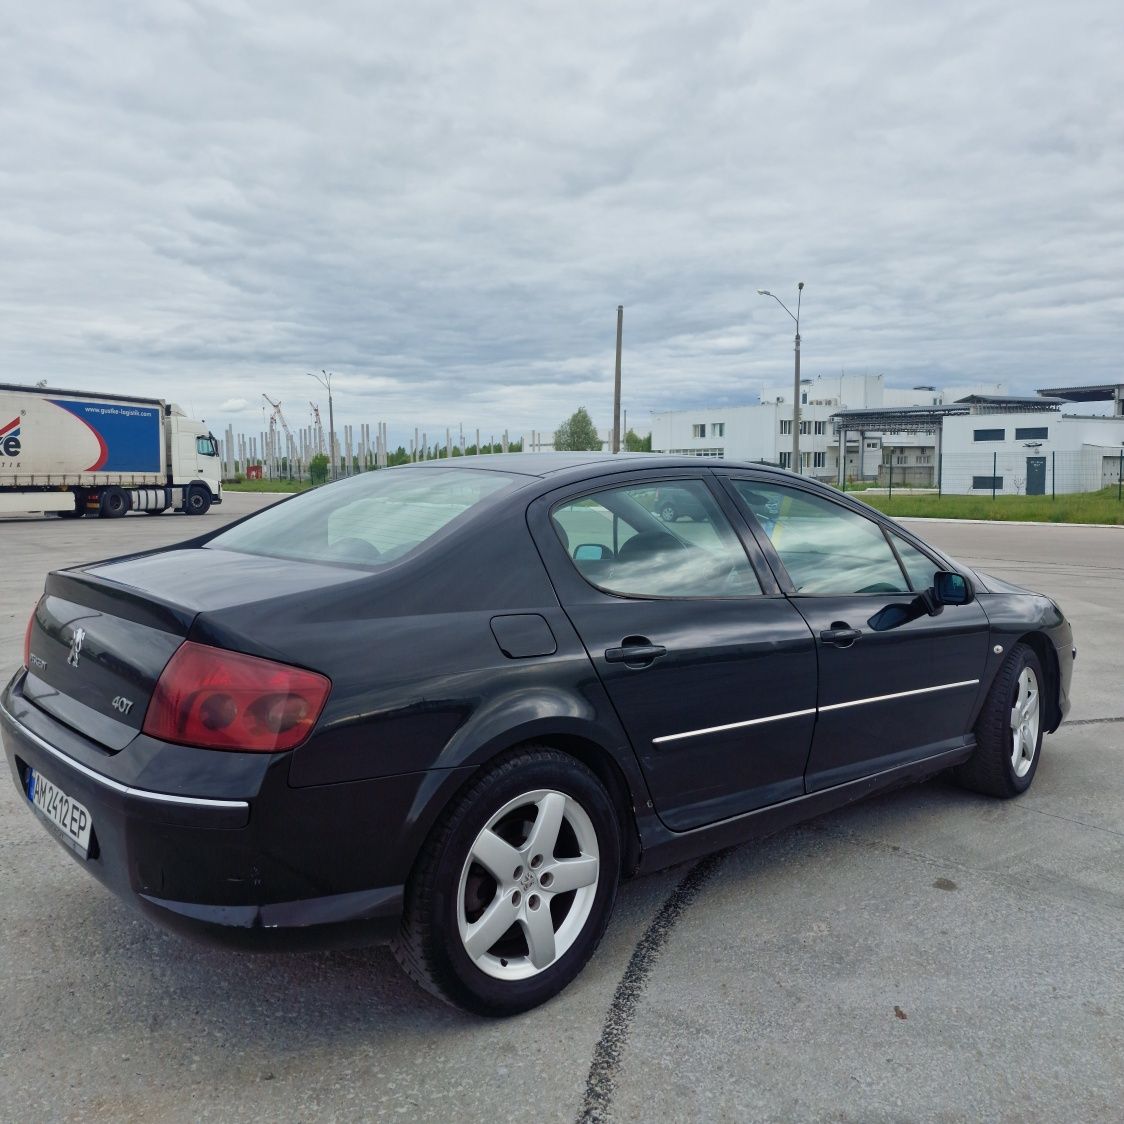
x: 930, y: 955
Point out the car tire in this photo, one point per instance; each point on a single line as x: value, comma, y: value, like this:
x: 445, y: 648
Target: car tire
x: 197, y: 500
x: 1008, y: 730
x: 537, y: 817
x: 668, y: 513
x: 114, y: 503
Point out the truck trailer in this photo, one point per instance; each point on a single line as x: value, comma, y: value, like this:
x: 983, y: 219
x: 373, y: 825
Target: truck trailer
x: 78, y: 454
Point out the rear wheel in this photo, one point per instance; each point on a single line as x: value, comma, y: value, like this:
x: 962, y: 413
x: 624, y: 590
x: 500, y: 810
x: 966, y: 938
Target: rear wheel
x: 1009, y: 729
x: 114, y: 503
x: 197, y: 500
x: 512, y: 892
x: 668, y: 513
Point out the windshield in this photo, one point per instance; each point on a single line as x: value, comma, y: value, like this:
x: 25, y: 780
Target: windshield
x: 369, y: 520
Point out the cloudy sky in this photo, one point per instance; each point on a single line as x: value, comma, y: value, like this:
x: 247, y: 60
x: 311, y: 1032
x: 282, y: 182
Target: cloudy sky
x: 444, y: 203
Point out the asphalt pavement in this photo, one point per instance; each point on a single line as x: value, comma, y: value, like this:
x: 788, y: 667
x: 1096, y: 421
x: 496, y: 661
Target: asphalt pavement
x: 926, y: 955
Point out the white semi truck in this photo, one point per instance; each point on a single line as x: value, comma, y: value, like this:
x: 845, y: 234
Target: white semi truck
x: 103, y: 454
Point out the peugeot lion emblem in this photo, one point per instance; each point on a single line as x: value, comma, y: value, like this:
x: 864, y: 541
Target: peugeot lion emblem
x: 76, y: 646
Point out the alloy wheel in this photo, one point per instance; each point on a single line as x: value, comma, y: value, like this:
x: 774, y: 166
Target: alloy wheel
x: 528, y: 885
x: 1025, y: 720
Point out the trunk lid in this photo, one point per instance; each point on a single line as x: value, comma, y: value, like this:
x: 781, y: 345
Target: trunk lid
x: 103, y: 634
x: 93, y: 669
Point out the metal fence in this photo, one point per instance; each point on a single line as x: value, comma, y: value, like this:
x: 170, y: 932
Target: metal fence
x: 1011, y: 473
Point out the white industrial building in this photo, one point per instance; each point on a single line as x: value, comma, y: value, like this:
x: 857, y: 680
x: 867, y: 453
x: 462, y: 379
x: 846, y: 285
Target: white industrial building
x: 1031, y: 453
x: 962, y: 439
x: 763, y: 432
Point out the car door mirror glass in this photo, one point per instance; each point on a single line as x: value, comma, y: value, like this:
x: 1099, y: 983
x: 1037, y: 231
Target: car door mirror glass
x: 950, y: 588
x: 592, y: 552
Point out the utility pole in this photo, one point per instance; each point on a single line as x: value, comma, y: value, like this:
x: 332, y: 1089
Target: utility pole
x: 325, y: 380
x: 617, y: 383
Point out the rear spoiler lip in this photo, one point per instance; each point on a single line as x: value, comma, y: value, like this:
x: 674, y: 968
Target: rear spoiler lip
x: 121, y: 600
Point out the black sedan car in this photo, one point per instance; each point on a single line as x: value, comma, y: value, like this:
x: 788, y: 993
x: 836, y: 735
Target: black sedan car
x: 453, y: 704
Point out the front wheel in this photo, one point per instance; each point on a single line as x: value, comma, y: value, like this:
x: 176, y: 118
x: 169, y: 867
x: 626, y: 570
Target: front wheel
x: 197, y: 501
x: 512, y: 892
x: 668, y: 513
x: 1009, y: 729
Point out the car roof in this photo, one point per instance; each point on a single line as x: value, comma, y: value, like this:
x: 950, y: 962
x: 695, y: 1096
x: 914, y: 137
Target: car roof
x: 580, y: 464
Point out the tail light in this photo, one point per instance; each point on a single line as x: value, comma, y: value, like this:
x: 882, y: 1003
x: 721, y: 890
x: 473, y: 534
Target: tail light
x: 216, y: 699
x: 27, y: 638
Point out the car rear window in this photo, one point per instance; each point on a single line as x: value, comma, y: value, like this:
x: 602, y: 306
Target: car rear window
x: 369, y: 520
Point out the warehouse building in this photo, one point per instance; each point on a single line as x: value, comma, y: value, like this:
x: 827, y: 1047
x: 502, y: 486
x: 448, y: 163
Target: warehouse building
x: 960, y: 440
x: 763, y: 431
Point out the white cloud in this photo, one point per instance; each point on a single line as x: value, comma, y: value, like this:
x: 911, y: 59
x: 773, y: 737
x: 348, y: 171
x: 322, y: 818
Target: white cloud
x: 444, y: 205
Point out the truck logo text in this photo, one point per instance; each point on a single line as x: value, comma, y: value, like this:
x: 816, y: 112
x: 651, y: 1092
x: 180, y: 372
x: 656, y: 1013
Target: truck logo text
x: 10, y: 439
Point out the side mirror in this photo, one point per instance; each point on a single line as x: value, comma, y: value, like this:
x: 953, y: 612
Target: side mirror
x: 951, y: 589
x: 592, y: 552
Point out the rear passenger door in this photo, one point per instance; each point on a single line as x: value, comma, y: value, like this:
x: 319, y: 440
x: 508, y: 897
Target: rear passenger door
x: 709, y: 667
x: 886, y: 697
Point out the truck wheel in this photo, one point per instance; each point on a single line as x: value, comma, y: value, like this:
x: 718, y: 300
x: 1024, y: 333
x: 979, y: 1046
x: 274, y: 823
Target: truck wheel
x: 114, y: 503
x: 197, y: 500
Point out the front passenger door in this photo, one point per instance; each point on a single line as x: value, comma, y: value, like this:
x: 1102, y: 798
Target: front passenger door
x: 885, y: 697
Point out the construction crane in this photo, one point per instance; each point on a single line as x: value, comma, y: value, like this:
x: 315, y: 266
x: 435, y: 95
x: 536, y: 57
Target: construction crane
x: 317, y: 428
x: 278, y: 418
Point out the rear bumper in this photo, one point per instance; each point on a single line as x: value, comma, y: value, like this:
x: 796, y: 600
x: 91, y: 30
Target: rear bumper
x: 269, y: 868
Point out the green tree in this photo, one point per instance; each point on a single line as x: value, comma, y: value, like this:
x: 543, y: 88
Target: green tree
x: 633, y: 443
x: 577, y: 433
x: 318, y: 468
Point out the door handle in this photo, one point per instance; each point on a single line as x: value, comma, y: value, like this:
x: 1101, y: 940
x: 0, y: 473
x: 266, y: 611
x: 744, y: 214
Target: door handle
x: 635, y: 653
x: 840, y: 635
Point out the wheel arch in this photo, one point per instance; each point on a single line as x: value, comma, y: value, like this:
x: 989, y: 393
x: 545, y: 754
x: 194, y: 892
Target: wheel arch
x: 590, y: 747
x: 1040, y: 644
x: 607, y: 769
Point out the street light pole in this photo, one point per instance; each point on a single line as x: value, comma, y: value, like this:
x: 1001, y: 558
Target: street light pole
x: 616, y: 445
x: 795, y: 466
x: 325, y: 380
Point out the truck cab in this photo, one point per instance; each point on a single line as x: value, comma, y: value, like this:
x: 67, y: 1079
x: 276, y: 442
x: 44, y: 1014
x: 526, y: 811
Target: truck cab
x: 194, y: 463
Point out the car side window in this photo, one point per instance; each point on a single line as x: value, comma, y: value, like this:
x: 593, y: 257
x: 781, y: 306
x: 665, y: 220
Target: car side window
x: 618, y: 542
x: 919, y: 567
x: 826, y: 548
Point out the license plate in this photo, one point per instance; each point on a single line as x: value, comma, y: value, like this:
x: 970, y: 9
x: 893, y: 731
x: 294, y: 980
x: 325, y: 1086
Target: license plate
x: 70, y: 817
